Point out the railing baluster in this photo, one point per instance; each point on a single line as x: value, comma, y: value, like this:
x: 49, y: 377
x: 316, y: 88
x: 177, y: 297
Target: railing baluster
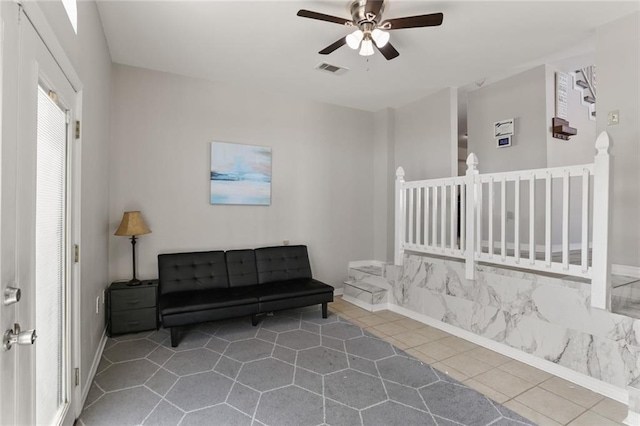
x: 399, y: 215
x: 490, y: 218
x: 547, y: 243
x: 532, y: 219
x: 453, y: 216
x: 426, y: 216
x: 434, y: 218
x: 516, y: 220
x: 565, y: 220
x: 463, y: 217
x: 410, y: 239
x: 418, y: 215
x: 443, y: 217
x: 585, y: 221
x: 503, y: 230
x: 479, y: 220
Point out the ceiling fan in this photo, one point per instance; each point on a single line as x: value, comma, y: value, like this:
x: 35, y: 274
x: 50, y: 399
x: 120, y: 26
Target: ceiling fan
x: 371, y: 29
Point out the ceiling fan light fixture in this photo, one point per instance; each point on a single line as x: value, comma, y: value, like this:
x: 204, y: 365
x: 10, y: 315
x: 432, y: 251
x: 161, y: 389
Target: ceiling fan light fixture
x: 380, y: 37
x: 367, y: 47
x: 354, y: 39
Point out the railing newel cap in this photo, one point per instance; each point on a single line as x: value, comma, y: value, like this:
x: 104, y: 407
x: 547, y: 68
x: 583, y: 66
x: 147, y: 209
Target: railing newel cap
x: 603, y: 142
x: 400, y: 172
x: 472, y: 160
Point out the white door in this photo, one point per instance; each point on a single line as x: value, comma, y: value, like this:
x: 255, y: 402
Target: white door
x: 35, y: 227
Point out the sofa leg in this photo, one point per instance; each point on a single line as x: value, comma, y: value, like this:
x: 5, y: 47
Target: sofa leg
x: 324, y: 310
x: 254, y: 320
x: 175, y: 334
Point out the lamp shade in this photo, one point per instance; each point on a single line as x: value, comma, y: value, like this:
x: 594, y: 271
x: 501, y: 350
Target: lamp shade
x: 132, y: 224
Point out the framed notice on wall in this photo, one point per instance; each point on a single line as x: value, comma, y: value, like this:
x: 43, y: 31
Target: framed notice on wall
x: 562, y: 95
x: 503, y: 128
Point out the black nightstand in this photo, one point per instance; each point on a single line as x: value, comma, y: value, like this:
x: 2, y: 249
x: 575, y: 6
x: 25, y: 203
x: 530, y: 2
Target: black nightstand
x: 132, y: 308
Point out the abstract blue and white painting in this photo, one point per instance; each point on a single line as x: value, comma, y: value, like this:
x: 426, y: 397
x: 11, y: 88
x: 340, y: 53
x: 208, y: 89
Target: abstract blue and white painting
x: 240, y: 174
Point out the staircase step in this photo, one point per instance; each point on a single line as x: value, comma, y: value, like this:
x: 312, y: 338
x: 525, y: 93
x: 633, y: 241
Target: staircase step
x: 365, y: 295
x: 593, y: 113
x: 582, y: 84
x: 633, y: 416
x: 590, y: 99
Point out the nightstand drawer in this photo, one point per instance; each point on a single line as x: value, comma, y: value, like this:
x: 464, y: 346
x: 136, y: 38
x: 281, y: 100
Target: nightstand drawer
x: 133, y: 320
x: 133, y: 298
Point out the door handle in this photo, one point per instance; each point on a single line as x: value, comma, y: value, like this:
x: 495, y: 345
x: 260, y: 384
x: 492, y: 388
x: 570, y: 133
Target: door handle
x: 18, y: 337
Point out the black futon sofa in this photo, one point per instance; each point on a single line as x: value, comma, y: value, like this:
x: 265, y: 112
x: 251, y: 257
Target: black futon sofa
x: 207, y: 286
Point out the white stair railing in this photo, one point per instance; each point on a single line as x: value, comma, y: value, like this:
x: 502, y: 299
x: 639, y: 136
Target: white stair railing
x: 428, y: 213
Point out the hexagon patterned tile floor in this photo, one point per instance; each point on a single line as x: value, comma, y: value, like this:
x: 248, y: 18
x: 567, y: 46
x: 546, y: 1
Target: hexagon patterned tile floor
x: 295, y: 368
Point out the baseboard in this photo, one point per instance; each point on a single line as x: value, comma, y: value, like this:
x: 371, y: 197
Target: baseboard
x: 626, y: 270
x: 632, y: 419
x: 364, y: 305
x: 94, y: 367
x: 338, y: 291
x: 595, y: 385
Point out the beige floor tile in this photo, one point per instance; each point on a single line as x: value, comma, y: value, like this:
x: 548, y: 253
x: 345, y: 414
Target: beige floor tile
x: 526, y: 372
x: 450, y: 371
x: 391, y: 316
x: 411, y: 324
x: 437, y: 350
x: 398, y: 344
x: 357, y: 322
x: 572, y: 392
x: 458, y: 344
x: 432, y: 333
x: 420, y: 356
x: 411, y: 338
x: 504, y: 382
x: 489, y: 357
x: 356, y: 312
x: 372, y: 320
x: 612, y: 410
x: 486, y: 391
x: 550, y: 404
x: 530, y: 414
x: 467, y: 365
x: 343, y: 315
x: 590, y: 418
x: 375, y: 332
x: 391, y: 328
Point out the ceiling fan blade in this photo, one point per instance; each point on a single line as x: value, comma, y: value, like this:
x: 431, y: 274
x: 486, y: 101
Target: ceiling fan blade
x: 431, y: 20
x: 373, y: 7
x: 388, y: 51
x: 333, y: 46
x: 322, y: 17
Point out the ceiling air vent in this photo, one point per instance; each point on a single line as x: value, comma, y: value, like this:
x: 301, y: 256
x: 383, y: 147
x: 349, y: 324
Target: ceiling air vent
x: 333, y: 69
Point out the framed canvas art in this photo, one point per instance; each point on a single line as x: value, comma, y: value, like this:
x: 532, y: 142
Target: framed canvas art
x: 240, y: 174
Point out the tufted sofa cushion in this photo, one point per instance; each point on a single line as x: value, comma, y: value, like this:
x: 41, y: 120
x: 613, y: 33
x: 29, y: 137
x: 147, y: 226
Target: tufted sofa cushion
x: 282, y: 263
x: 241, y: 266
x: 192, y: 271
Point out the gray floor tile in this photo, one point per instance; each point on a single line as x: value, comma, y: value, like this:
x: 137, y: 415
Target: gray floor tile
x: 369, y: 347
x: 164, y: 414
x: 159, y: 336
x: 330, y: 342
x: 94, y: 393
x: 243, y: 398
x: 355, y: 389
x: 266, y: 374
x: 267, y: 335
x: 309, y: 326
x: 190, y: 362
x: 340, y: 415
x: 322, y: 360
x: 218, y: 345
x: 189, y: 339
x: 228, y: 367
x: 290, y: 406
x: 281, y: 323
x: 199, y: 391
x: 160, y: 355
x: 316, y: 317
x: 298, y: 339
x: 236, y: 331
x: 410, y: 372
x: 284, y: 354
x: 249, y: 350
x: 341, y: 330
x: 126, y: 375
x: 128, y: 350
x: 103, y: 365
x: 162, y: 381
x: 362, y: 365
x: 405, y: 395
x: 459, y: 403
x: 392, y: 413
x: 220, y: 415
x: 308, y: 380
x: 125, y: 407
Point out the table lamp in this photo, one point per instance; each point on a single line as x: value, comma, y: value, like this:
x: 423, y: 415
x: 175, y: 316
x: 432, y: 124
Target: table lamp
x: 133, y: 224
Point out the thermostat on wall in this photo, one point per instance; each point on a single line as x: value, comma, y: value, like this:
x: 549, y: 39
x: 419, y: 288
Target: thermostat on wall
x: 503, y: 141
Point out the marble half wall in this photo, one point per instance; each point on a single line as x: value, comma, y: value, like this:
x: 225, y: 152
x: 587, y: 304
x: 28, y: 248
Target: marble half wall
x: 545, y: 316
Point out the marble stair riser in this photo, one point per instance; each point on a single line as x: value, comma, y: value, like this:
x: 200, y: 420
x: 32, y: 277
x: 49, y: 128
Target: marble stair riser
x: 544, y: 316
x: 371, y: 298
x: 376, y: 280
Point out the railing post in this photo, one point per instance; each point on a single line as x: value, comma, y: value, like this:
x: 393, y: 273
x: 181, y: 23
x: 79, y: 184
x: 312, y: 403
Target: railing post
x: 399, y: 217
x: 601, y: 268
x: 470, y: 216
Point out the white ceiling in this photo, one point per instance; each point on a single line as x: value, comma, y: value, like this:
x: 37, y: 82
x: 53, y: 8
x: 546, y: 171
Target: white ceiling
x: 263, y: 45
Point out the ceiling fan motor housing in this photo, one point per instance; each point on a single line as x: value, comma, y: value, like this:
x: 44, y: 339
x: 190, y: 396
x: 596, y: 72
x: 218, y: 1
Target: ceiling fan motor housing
x: 360, y: 16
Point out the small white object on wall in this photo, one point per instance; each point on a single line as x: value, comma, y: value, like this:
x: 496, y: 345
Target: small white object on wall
x: 503, y: 128
x: 503, y: 142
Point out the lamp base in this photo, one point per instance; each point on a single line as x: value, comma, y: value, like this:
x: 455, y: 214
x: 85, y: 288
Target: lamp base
x: 134, y: 282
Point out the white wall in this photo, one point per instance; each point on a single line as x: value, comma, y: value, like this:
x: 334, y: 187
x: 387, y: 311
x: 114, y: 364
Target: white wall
x: 426, y: 136
x: 161, y: 129
x: 618, y: 81
x: 383, y: 184
x: 89, y: 54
